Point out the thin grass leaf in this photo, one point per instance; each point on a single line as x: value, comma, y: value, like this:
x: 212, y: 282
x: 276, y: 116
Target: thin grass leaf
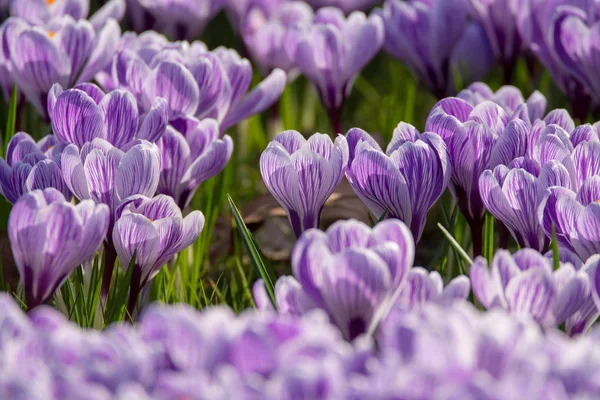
x: 555, y: 253
x: 488, y: 237
x: 11, y: 121
x: 264, y: 270
x: 455, y: 245
x: 117, y: 302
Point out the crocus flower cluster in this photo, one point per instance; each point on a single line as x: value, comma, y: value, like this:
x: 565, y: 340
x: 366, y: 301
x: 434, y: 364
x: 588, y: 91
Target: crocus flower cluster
x: 358, y: 275
x: 56, y: 46
x: 436, y: 41
x: 526, y: 285
x: 194, y: 81
x: 177, y: 352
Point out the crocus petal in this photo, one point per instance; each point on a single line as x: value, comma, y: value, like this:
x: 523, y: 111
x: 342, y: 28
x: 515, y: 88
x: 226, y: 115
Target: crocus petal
x: 155, y: 121
x: 77, y: 118
x: 531, y: 294
x: 121, y: 118
x: 139, y: 171
x: 174, y: 83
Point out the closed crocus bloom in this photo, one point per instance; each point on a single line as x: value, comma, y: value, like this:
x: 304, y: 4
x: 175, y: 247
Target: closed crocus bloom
x: 406, y: 180
x: 179, y: 19
x: 191, y: 155
x: 29, y: 166
x: 541, y: 28
x: 301, y: 174
x: 354, y: 272
x: 50, y: 237
x: 332, y: 51
x: 264, y: 34
x: 194, y: 81
x: 573, y: 210
x: 500, y: 21
x: 513, y: 196
x: 62, y: 51
x: 84, y: 113
x: 470, y: 134
x: 155, y: 231
x: 424, y: 35
x: 526, y: 285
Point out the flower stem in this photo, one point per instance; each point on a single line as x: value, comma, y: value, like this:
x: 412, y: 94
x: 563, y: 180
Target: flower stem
x: 134, y: 291
x: 110, y: 257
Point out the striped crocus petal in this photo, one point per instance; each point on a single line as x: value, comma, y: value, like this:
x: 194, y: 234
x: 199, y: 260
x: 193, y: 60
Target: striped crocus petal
x: 76, y: 118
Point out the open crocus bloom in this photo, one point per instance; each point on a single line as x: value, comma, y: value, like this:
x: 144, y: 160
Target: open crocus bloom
x: 50, y: 237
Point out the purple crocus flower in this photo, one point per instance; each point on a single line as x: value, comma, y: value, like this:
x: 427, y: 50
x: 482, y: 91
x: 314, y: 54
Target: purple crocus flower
x: 513, y: 195
x: 40, y: 12
x: 29, y: 166
x: 470, y: 134
x: 264, y: 33
x: 179, y: 19
x: 347, y: 6
x: 190, y: 156
x: 526, y: 285
x: 62, y: 51
x: 351, y: 271
x: 85, y: 113
x: 499, y: 19
x: 50, y: 237
x: 301, y: 174
x: 194, y: 81
x: 155, y: 231
x: 406, y: 180
x: 424, y: 287
x: 332, y: 51
x: 543, y: 34
x: 429, y: 36
x: 108, y: 175
x: 509, y: 98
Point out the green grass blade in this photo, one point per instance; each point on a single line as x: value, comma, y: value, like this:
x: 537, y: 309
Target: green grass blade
x: 455, y: 245
x: 11, y: 121
x: 488, y: 238
x: 264, y: 270
x: 117, y: 302
x: 555, y: 254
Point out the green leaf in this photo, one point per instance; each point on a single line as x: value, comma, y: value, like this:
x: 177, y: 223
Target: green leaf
x: 117, y: 300
x: 555, y: 254
x: 264, y: 269
x: 488, y: 238
x: 455, y: 245
x: 11, y: 121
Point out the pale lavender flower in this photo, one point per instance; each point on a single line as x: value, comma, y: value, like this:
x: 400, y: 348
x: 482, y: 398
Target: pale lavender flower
x: 435, y: 40
x: 526, y: 285
x: 63, y: 51
x: 40, y: 12
x: 347, y: 6
x: 301, y: 174
x: 30, y: 165
x: 406, y: 180
x: 50, y: 237
x: 179, y: 19
x: 190, y: 155
x: 332, y: 51
x: 499, y: 19
x: 155, y: 231
x: 351, y: 271
x: 85, y: 113
x: 263, y: 32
